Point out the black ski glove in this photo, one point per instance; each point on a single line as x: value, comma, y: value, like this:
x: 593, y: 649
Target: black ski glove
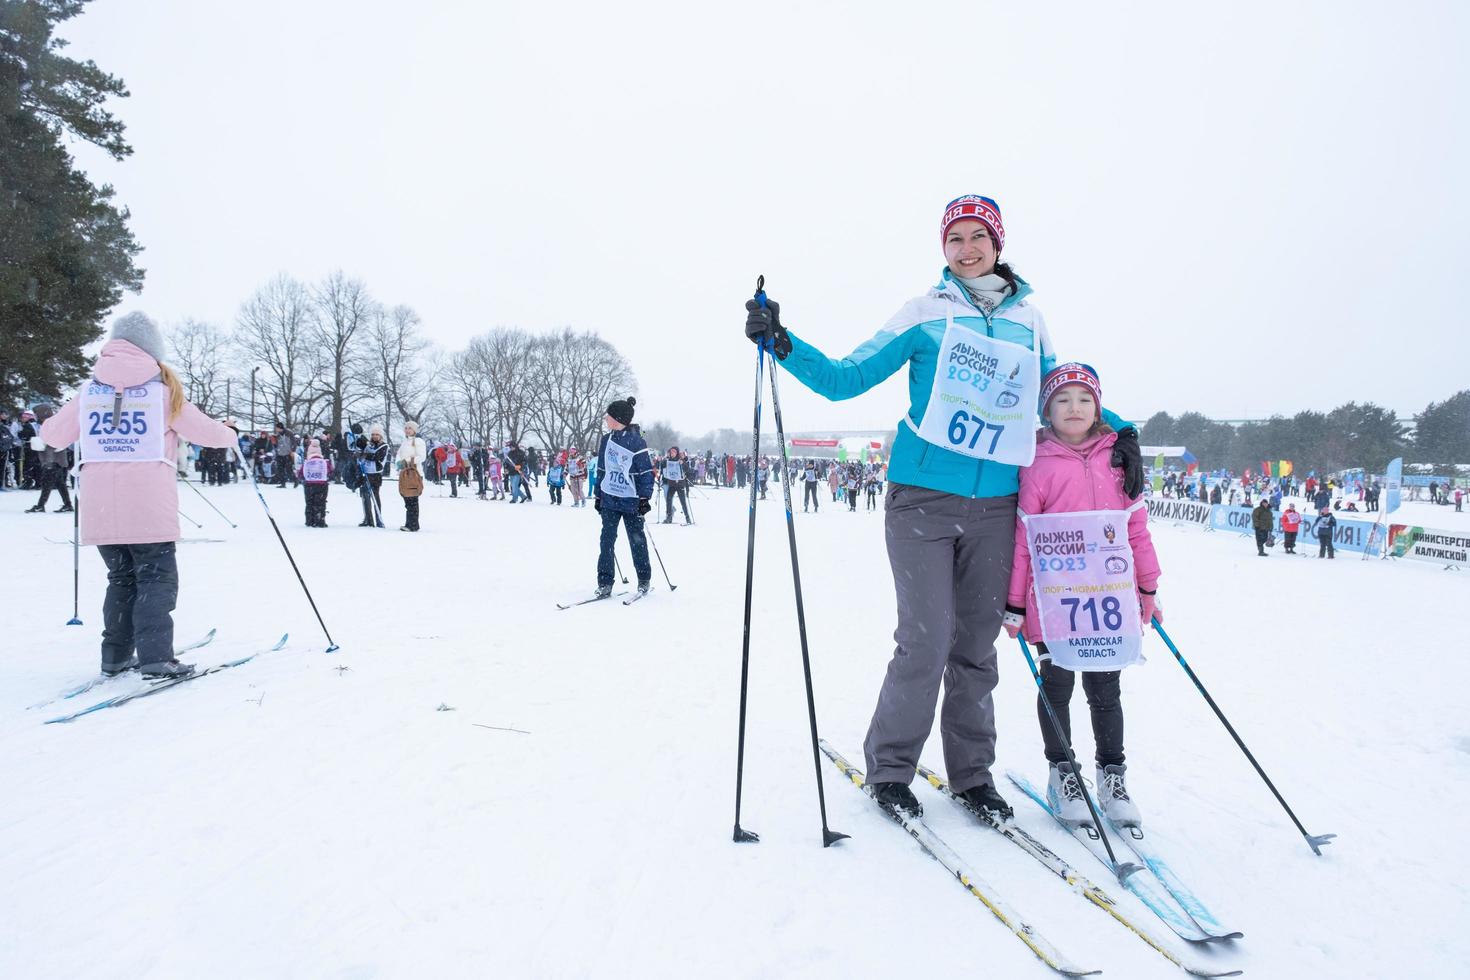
x: 1128, y: 458
x: 644, y: 506
x: 765, y: 321
x: 597, y: 503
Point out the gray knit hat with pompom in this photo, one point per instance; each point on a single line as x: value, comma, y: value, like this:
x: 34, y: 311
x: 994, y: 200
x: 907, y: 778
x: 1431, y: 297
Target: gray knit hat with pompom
x: 140, y: 331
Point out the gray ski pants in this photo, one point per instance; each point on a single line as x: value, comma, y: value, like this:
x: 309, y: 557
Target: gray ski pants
x: 951, y: 560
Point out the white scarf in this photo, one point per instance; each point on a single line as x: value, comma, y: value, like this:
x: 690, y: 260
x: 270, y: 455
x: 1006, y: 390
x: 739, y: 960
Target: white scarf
x: 987, y: 291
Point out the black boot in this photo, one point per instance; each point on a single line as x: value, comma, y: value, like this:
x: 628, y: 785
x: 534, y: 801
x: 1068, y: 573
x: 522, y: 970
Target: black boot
x: 984, y: 797
x: 897, y: 796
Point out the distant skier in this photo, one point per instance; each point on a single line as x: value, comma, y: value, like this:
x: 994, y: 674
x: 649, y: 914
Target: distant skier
x: 1073, y: 473
x: 1291, y: 525
x: 624, y: 487
x: 129, y: 493
x: 676, y: 485
x: 315, y: 474
x: 51, y: 469
x: 1324, y: 527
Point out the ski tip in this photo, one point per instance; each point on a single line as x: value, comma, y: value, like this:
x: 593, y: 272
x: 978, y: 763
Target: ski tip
x: 281, y: 642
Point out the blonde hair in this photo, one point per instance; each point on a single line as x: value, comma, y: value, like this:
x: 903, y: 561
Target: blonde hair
x: 175, y: 390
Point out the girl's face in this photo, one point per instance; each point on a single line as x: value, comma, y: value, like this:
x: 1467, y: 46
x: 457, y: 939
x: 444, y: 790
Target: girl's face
x: 612, y: 424
x: 1072, y: 412
x: 968, y: 249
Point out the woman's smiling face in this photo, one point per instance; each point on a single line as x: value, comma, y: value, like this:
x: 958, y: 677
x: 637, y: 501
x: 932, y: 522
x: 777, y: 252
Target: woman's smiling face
x: 969, y: 249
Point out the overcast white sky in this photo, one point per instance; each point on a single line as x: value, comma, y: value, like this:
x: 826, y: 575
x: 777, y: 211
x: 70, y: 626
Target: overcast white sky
x: 1240, y: 209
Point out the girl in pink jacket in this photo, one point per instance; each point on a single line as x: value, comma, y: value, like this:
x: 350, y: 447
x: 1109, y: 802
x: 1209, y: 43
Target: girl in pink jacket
x: 129, y: 418
x: 1073, y: 473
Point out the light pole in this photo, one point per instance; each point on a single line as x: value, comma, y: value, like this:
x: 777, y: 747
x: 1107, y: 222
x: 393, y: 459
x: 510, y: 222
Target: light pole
x: 252, y: 397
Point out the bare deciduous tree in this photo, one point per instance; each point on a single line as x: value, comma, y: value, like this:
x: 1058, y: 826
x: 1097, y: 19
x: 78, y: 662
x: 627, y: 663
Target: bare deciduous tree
x: 504, y: 357
x: 342, y: 308
x: 574, y: 376
x: 273, y: 331
x: 400, y: 366
x: 201, y: 355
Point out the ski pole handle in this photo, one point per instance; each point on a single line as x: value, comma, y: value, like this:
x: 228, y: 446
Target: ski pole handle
x: 760, y: 291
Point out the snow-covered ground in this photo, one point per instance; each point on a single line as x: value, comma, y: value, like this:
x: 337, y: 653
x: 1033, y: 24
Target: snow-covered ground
x: 320, y: 815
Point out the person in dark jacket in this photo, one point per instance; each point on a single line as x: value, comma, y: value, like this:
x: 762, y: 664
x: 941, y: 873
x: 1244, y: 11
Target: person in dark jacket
x: 51, y: 469
x: 676, y: 484
x: 1324, y: 527
x: 1262, y: 522
x: 285, y: 456
x: 624, y: 487
x: 520, y: 483
x: 372, y: 457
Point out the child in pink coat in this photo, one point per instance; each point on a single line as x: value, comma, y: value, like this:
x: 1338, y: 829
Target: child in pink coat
x: 129, y: 418
x: 1073, y: 473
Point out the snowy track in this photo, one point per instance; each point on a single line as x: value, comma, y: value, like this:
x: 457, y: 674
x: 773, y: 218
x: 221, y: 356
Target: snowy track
x: 293, y: 818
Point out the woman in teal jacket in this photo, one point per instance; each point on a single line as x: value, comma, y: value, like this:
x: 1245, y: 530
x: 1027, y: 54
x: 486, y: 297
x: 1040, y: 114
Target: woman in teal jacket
x: 976, y: 350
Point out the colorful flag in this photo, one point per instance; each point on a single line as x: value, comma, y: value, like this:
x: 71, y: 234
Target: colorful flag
x: 1395, y: 480
x: 1285, y: 468
x: 1266, y: 469
x: 1158, y: 472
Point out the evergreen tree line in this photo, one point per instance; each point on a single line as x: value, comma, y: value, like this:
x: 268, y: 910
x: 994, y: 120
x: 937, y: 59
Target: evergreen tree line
x: 1351, y: 435
x: 66, y: 254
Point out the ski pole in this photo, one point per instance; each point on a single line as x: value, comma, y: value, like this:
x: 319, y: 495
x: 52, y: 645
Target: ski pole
x: 190, y: 519
x: 212, y: 507
x: 1314, y: 841
x: 829, y: 837
x: 746, y: 836
x: 76, y: 557
x: 660, y: 558
x: 331, y: 644
x: 1121, y: 869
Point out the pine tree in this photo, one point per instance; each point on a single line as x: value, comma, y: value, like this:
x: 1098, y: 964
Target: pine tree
x: 1442, y: 431
x: 66, y: 253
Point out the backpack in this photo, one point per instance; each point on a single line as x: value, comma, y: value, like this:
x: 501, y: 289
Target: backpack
x: 410, y: 481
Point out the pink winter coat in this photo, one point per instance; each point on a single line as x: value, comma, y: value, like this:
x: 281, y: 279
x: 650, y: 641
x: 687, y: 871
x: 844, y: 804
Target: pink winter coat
x: 132, y: 503
x: 1074, y: 478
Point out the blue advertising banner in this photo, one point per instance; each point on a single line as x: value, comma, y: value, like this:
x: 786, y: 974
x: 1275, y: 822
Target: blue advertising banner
x: 1393, y: 485
x: 1351, y: 535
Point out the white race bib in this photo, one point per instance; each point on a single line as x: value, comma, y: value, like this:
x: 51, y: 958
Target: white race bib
x: 618, y: 480
x: 314, y: 470
x: 983, y: 402
x: 1086, y: 596
x: 130, y: 431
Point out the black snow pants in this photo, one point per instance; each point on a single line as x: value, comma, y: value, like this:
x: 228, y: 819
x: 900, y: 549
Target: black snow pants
x: 316, y: 504
x: 137, y: 612
x: 1104, y: 701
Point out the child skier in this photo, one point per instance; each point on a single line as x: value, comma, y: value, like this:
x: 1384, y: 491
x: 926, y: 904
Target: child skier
x: 556, y: 478
x: 129, y: 418
x: 1072, y: 473
x: 577, y: 476
x: 315, y: 474
x: 624, y: 486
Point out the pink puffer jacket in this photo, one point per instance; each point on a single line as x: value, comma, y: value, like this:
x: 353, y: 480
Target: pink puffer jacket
x: 1067, y: 479
x: 132, y: 503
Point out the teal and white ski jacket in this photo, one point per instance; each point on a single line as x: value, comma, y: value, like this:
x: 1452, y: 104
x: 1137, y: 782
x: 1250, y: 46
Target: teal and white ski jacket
x: 912, y: 336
